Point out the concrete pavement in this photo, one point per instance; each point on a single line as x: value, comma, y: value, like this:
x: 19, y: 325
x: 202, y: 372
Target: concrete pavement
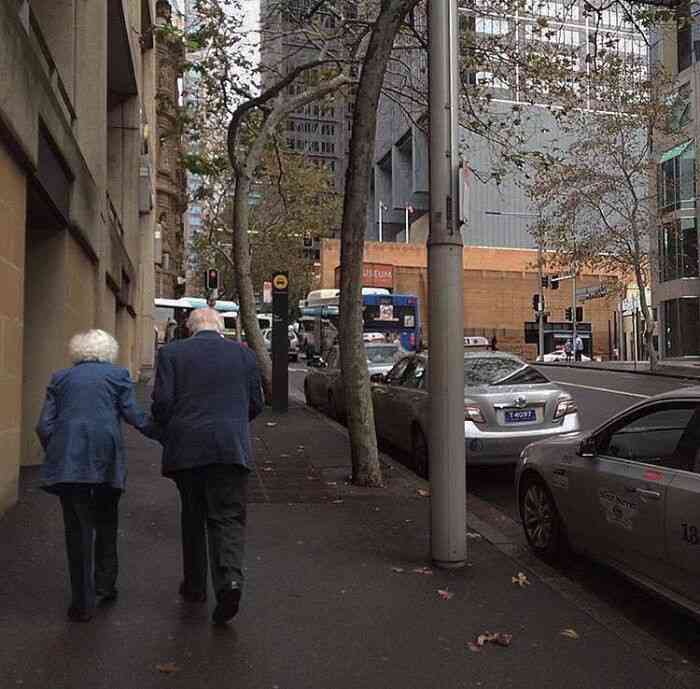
x: 332, y: 599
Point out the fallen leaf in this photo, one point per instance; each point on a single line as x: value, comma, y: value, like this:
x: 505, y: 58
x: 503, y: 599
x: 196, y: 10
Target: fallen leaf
x: 423, y: 570
x: 398, y: 569
x: 499, y: 639
x: 284, y: 455
x: 337, y: 502
x: 423, y: 493
x: 270, y: 424
x: 331, y: 483
x: 167, y: 668
x: 473, y: 535
x: 570, y: 633
x: 521, y: 580
x: 268, y: 469
x: 445, y: 594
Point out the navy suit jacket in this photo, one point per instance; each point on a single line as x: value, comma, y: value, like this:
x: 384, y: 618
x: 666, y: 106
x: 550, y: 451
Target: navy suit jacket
x: 80, y: 425
x: 206, y: 392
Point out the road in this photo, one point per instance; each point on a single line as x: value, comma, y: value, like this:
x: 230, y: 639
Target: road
x: 599, y: 395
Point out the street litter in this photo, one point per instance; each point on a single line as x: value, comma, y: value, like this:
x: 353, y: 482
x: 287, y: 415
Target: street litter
x: 423, y: 493
x: 445, y: 594
x: 570, y: 633
x: 398, y: 569
x: 521, y: 580
x: 498, y: 639
x: 270, y: 424
x: 473, y: 535
x: 167, y: 668
x: 337, y: 502
x: 422, y: 570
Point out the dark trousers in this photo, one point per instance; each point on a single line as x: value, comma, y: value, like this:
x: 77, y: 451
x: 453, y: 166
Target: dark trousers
x: 213, y: 501
x: 91, y: 519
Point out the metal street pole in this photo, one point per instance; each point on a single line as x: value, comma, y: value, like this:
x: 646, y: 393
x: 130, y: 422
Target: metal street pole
x: 381, y: 208
x: 540, y: 305
x: 573, y: 309
x: 445, y: 296
x: 407, y: 239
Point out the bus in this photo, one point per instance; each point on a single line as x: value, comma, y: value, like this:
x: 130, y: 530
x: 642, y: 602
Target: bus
x: 170, y: 313
x: 386, y: 317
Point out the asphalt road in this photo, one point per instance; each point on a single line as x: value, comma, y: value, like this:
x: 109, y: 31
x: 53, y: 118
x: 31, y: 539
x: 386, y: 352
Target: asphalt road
x: 599, y: 396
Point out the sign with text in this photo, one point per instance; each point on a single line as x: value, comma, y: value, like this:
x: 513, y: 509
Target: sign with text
x: 280, y: 342
x: 373, y: 275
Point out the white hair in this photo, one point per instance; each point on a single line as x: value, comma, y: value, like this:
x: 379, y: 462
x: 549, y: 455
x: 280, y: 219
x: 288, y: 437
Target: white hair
x: 93, y: 345
x: 204, y: 319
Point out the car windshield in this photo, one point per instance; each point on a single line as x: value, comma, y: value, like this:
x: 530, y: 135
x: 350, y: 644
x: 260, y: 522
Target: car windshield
x: 499, y: 371
x: 381, y: 355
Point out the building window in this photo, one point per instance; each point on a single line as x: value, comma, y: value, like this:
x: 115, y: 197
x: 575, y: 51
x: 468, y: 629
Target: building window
x: 684, y: 38
x: 676, y: 178
x: 681, y: 326
x: 678, y: 250
x: 492, y: 26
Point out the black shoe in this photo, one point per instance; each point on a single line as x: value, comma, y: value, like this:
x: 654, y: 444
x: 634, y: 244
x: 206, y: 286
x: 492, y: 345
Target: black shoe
x: 76, y: 614
x: 107, y: 595
x: 192, y: 596
x: 228, y: 601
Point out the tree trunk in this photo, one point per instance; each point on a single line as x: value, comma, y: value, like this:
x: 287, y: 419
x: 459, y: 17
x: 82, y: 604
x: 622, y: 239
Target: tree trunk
x: 366, y: 470
x: 244, y: 283
x: 649, y: 324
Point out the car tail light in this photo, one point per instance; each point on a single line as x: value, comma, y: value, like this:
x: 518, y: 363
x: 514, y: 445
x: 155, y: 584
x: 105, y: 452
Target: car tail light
x: 473, y: 413
x: 565, y: 406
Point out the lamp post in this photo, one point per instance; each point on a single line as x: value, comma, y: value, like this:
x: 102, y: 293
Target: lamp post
x: 382, y: 208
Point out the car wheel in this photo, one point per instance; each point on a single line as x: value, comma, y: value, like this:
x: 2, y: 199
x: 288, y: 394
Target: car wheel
x: 421, y: 461
x: 541, y: 520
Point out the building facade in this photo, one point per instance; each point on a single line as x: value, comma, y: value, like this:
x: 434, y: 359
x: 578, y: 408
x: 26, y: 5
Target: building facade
x: 171, y: 182
x: 676, y: 271
x: 77, y: 161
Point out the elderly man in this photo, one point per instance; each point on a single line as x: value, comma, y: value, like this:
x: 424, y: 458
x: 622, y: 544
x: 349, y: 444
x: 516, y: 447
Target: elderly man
x: 207, y: 390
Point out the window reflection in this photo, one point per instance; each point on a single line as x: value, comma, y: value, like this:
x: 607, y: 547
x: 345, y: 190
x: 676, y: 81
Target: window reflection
x: 682, y: 326
x: 678, y: 250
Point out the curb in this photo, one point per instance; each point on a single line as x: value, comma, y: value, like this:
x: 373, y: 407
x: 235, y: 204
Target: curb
x: 655, y: 374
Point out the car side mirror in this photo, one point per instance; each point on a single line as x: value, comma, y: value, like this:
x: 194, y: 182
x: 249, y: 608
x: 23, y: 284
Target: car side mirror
x: 377, y: 378
x: 587, y: 448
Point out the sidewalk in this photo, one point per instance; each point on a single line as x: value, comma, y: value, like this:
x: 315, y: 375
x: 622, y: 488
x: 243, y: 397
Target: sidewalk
x: 668, y: 368
x: 332, y: 601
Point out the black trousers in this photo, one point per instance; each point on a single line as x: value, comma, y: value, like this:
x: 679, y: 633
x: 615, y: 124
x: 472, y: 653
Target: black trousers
x: 91, y: 519
x: 213, y: 508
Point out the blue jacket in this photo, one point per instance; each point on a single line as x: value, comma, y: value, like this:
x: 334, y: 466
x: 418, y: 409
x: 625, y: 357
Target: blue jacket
x: 206, y: 392
x: 80, y: 425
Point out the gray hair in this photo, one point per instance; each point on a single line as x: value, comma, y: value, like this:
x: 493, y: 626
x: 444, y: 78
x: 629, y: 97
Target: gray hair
x: 93, y: 345
x: 204, y: 319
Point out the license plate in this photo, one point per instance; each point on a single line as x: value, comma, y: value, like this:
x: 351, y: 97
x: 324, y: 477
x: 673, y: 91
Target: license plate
x: 521, y: 416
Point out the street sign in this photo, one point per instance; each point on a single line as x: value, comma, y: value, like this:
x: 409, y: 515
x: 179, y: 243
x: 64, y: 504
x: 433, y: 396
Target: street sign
x: 630, y: 305
x: 595, y: 292
x: 280, y: 342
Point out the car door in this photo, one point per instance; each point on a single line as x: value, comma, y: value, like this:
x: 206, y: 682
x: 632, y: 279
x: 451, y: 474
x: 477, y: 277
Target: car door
x: 383, y: 398
x: 406, y: 402
x: 627, y: 483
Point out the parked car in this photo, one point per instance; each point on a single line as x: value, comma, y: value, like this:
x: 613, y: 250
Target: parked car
x: 323, y: 385
x: 293, y: 343
x: 627, y: 493
x: 558, y: 355
x: 507, y: 405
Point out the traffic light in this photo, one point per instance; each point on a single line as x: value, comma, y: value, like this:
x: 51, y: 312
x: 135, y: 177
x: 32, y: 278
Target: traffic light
x: 211, y: 281
x: 536, y: 302
x: 554, y: 282
x: 568, y: 314
x: 545, y: 282
x: 579, y: 314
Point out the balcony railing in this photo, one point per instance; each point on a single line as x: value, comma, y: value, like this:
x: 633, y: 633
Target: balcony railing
x: 31, y: 25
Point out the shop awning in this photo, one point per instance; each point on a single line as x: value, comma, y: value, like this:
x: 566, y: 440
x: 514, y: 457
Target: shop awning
x: 675, y: 151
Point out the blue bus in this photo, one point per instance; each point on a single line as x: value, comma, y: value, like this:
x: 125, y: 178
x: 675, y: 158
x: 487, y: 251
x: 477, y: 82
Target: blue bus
x: 386, y: 317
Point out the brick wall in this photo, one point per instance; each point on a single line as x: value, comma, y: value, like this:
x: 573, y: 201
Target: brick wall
x: 498, y: 289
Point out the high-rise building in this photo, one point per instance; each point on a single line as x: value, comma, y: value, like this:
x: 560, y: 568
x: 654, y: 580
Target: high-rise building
x: 77, y: 161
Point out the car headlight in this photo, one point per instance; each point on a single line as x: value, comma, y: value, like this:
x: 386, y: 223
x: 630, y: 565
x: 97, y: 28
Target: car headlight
x: 473, y: 413
x: 565, y: 406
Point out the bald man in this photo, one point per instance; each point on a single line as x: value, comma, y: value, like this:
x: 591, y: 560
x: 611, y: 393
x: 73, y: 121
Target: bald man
x: 207, y: 390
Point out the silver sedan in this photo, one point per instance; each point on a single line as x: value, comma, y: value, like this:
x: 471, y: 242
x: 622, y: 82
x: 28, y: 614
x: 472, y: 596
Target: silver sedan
x: 507, y: 405
x: 627, y: 493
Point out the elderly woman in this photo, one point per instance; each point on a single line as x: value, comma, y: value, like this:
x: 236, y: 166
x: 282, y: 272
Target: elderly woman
x: 85, y: 462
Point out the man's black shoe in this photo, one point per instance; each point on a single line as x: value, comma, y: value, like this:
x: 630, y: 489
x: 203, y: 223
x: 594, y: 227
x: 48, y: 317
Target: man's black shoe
x: 107, y: 595
x: 192, y: 596
x: 228, y: 600
x: 76, y: 614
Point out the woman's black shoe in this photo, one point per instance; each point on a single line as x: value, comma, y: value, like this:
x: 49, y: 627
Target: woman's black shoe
x: 192, y: 596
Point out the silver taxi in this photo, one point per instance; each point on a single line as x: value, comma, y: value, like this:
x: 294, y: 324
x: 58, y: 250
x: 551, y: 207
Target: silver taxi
x: 627, y: 493
x: 507, y: 405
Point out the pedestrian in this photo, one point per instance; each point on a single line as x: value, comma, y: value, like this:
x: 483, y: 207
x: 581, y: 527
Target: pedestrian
x: 207, y: 390
x: 85, y: 464
x: 579, y: 348
x: 568, y: 350
x: 494, y: 344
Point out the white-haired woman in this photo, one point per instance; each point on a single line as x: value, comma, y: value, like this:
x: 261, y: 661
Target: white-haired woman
x: 85, y: 464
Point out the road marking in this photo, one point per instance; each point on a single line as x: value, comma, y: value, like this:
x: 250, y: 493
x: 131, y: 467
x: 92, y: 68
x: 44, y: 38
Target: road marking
x: 614, y: 392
